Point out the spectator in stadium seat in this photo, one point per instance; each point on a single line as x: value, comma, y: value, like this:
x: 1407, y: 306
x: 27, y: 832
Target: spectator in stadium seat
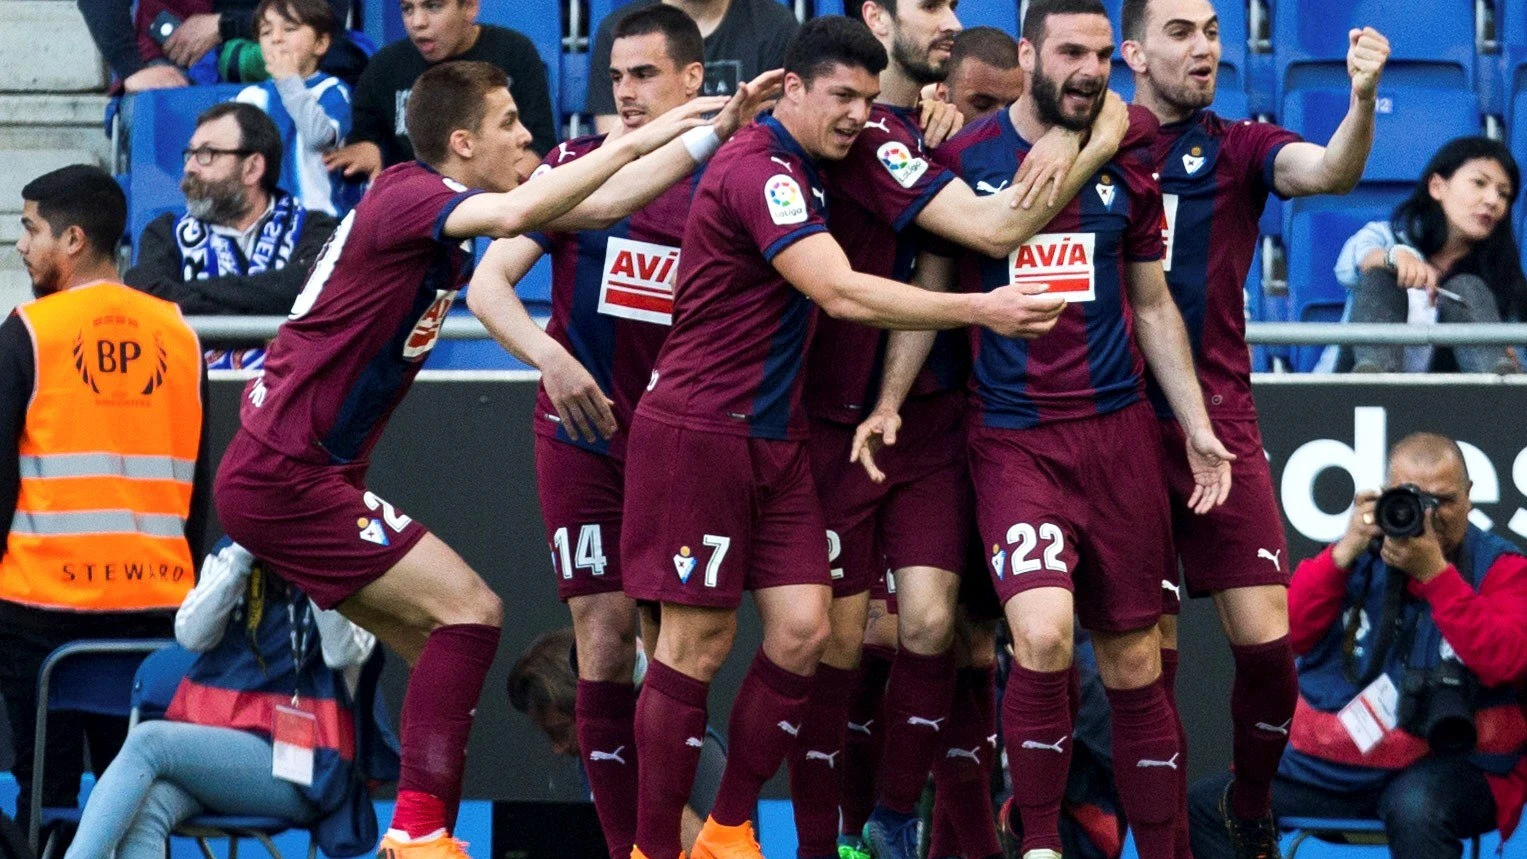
x: 1371, y: 615
x: 311, y: 109
x: 543, y: 685
x: 983, y: 72
x: 1448, y: 254
x: 121, y: 31
x: 440, y: 30
x: 244, y: 247
x: 743, y: 39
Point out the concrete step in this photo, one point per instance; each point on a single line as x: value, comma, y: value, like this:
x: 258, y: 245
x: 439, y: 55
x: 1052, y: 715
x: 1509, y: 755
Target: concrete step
x: 15, y: 287
x: 45, y: 47
x: 18, y: 167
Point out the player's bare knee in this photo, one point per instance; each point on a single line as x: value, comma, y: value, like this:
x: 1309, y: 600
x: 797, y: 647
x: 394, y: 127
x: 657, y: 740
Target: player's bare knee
x: 605, y: 652
x: 797, y: 643
x: 1043, y: 647
x: 1128, y: 661
x: 477, y: 605
x: 929, y: 631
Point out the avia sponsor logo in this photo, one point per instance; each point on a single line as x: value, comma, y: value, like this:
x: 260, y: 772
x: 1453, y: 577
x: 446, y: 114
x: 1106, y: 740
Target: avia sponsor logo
x: 1063, y: 261
x: 427, y: 330
x: 638, y: 281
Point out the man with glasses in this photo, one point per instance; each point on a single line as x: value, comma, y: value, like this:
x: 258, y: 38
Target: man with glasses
x: 243, y: 246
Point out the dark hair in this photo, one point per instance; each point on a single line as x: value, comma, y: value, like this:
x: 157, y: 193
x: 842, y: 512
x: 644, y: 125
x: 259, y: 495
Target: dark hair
x: 680, y: 31
x: 832, y: 40
x: 1040, y: 11
x: 987, y: 44
x: 1495, y: 258
x: 1132, y: 19
x: 543, y: 677
x: 307, y: 13
x: 446, y: 98
x: 81, y: 196
x: 257, y: 135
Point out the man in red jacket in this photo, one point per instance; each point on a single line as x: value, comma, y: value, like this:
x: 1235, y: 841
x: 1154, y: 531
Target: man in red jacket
x: 1382, y: 625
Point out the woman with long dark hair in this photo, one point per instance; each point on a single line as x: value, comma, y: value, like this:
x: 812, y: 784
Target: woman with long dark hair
x: 1448, y: 254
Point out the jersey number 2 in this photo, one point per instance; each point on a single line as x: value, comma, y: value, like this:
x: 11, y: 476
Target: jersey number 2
x: 1023, y: 540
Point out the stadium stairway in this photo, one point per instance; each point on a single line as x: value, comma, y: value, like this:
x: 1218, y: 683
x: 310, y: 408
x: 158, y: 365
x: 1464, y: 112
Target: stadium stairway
x: 52, y: 84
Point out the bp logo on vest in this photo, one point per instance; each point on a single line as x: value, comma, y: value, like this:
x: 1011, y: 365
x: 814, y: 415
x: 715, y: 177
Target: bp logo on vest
x: 117, y: 359
x: 899, y: 162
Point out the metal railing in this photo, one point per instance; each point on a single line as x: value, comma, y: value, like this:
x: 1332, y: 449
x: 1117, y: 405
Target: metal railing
x: 1258, y: 333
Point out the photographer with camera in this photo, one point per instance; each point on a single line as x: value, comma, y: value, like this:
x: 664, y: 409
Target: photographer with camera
x: 1411, y: 632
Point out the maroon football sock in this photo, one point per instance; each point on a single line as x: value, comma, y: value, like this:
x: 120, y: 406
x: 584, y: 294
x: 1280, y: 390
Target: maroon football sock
x: 942, y: 840
x: 1036, y: 727
x: 962, y: 768
x: 605, y: 714
x: 816, y: 761
x: 865, y: 738
x: 765, y: 723
x: 1261, y: 709
x: 917, y: 700
x: 1146, y: 766
x: 1169, y: 659
x: 670, y: 729
x: 437, y: 718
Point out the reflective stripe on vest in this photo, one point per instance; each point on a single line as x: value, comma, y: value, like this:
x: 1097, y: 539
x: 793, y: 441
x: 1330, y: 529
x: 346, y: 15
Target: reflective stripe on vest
x: 106, y: 455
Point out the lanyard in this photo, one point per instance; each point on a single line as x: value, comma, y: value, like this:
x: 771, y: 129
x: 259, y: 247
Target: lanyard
x: 300, y: 634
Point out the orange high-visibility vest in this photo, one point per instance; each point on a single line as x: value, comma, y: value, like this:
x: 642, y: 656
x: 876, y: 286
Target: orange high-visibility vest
x: 108, y: 453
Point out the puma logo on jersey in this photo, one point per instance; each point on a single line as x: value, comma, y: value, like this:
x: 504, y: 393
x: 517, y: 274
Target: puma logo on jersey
x: 1171, y: 586
x: 1272, y: 556
x: 609, y: 756
x: 821, y: 198
x: 1050, y: 747
x: 919, y: 720
x: 1144, y: 763
x: 965, y: 753
x: 814, y: 755
x: 985, y: 187
x: 861, y: 729
x: 782, y: 162
x: 1275, y: 729
x: 792, y: 730
x: 257, y: 393
x: 563, y: 153
x: 878, y: 123
x: 693, y: 742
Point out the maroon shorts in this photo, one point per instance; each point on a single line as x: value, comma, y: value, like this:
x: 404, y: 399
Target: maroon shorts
x: 1081, y: 505
x: 884, y: 588
x: 316, y: 526
x: 581, y: 494
x: 711, y: 515
x: 1241, y: 542
x: 917, y: 518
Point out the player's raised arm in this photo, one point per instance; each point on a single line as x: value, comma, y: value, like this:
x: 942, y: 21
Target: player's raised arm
x: 1305, y: 168
x: 993, y: 224
x: 640, y: 182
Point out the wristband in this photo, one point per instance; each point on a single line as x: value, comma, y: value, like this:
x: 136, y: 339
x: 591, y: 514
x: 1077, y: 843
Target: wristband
x: 702, y: 142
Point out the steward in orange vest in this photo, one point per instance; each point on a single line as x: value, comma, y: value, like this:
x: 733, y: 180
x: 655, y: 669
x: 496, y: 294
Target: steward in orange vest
x: 102, y: 393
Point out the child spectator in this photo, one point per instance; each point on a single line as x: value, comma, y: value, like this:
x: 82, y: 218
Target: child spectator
x: 311, y: 109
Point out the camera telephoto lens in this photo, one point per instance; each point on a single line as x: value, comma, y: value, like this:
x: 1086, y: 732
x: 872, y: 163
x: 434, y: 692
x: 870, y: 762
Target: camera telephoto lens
x: 1401, y: 511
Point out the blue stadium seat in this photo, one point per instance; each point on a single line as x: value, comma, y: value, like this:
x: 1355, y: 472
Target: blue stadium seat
x: 1315, y: 229
x: 1002, y: 14
x: 1411, y: 121
x: 835, y: 7
x: 541, y: 20
x: 1433, y: 46
x: 162, y: 123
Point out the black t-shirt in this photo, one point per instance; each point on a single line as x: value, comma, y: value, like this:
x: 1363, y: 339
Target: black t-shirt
x: 382, y: 94
x: 750, y: 40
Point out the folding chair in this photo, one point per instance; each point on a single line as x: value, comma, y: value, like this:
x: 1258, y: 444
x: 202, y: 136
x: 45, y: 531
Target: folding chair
x: 154, y: 686
x: 1343, y: 831
x: 89, y: 676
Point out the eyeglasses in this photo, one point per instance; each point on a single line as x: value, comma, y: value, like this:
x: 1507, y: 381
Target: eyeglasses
x: 206, y: 154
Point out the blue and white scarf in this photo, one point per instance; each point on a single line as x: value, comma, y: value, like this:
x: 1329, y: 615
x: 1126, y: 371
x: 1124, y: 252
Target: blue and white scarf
x: 205, y: 254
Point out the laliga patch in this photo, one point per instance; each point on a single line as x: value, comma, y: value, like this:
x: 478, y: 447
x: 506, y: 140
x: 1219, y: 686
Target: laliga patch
x: 786, y: 203
x: 1168, y: 227
x: 1105, y: 190
x: 1061, y: 261
x: 371, y: 531
x: 899, y: 161
x: 684, y: 564
x: 427, y: 330
x: 638, y: 280
x: 998, y: 560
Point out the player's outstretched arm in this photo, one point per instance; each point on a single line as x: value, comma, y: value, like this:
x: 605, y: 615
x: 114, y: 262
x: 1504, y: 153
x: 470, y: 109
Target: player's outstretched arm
x: 817, y: 266
x: 1164, y: 340
x: 1303, y: 168
x: 996, y: 224
x: 905, y: 354
x: 535, y: 204
x: 642, y: 181
x: 582, y: 407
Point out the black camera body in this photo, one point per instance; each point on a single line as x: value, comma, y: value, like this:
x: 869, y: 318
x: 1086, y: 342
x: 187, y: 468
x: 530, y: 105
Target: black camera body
x: 1401, y: 510
x: 1438, y: 704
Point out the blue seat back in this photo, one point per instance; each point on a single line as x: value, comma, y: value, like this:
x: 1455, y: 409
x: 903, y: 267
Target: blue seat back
x: 1410, y: 122
x: 157, y: 678
x: 1436, y: 42
x: 95, y: 682
x: 1002, y: 14
x: 541, y: 20
x: 162, y: 124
